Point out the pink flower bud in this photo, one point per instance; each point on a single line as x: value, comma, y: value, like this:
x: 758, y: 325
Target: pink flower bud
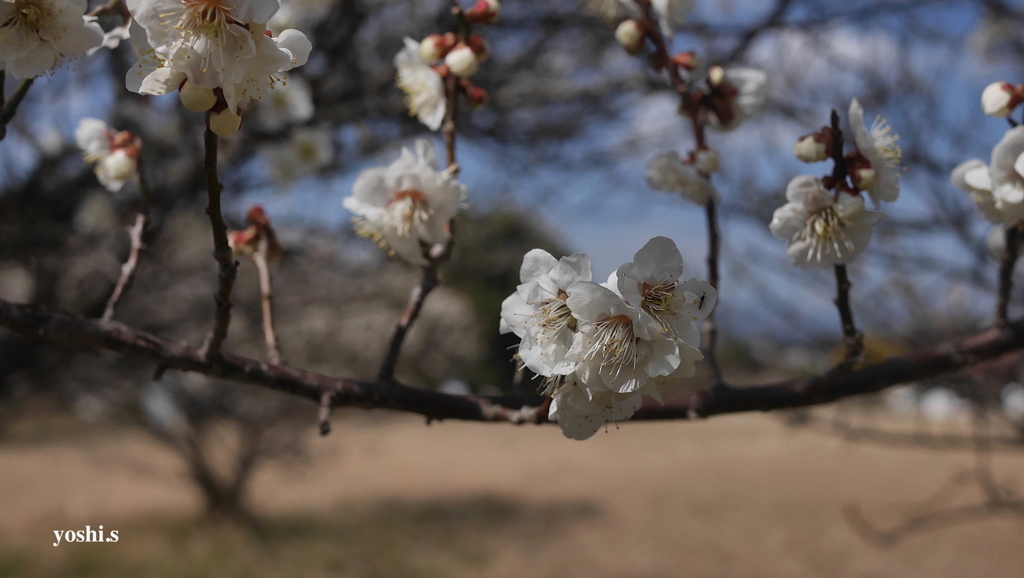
x: 484, y: 12
x: 687, y: 60
x: 630, y: 35
x: 462, y: 61
x: 475, y: 95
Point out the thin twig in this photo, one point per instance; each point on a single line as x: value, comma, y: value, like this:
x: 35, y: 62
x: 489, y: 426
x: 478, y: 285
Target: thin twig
x: 259, y: 258
x: 661, y: 55
x: 324, y: 418
x: 417, y: 296
x: 1006, y: 266
x: 137, y: 235
x: 10, y: 107
x: 221, y: 250
x: 853, y: 340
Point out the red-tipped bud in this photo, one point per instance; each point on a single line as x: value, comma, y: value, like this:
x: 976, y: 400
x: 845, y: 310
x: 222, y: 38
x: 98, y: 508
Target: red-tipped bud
x: 631, y: 35
x: 859, y: 169
x: 434, y: 47
x: 687, y: 60
x: 1000, y: 98
x: 814, y: 147
x: 484, y: 12
x: 462, y: 61
x: 257, y: 217
x: 475, y: 95
x: 479, y: 47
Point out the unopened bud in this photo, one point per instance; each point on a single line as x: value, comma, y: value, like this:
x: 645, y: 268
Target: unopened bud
x: 687, y: 60
x: 706, y: 161
x: 119, y: 166
x: 813, y: 148
x: 484, y: 12
x: 243, y: 242
x: 863, y: 177
x: 224, y: 123
x: 257, y: 217
x: 630, y: 35
x: 999, y: 99
x: 462, y: 61
x: 716, y: 75
x: 475, y: 95
x: 479, y: 47
x: 196, y: 98
x: 434, y: 47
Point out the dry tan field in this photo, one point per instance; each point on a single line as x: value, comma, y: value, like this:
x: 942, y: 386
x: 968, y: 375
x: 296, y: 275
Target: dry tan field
x: 731, y: 497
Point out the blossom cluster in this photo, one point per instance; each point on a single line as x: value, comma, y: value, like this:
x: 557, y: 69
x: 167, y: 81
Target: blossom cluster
x: 601, y: 347
x: 406, y: 206
x: 218, y: 54
x: 37, y: 36
x: 826, y: 227
x: 115, y: 154
x: 422, y: 67
x: 997, y: 188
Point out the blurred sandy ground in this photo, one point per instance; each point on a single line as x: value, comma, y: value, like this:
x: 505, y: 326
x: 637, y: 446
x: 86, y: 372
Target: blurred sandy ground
x: 740, y: 496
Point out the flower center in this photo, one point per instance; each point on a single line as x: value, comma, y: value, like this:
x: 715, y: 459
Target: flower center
x: 552, y: 318
x: 826, y: 232
x: 408, y: 211
x: 29, y: 15
x: 419, y: 91
x: 614, y: 343
x: 887, y: 143
x: 657, y: 301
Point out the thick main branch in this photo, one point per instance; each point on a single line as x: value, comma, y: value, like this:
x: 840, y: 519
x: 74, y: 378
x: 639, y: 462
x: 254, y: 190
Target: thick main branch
x: 55, y: 325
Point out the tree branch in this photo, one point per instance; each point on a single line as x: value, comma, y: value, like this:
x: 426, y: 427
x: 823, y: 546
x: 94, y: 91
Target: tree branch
x: 10, y: 107
x: 54, y: 325
x: 136, y: 233
x: 853, y: 340
x: 259, y: 258
x: 710, y: 329
x: 1006, y: 266
x: 221, y: 250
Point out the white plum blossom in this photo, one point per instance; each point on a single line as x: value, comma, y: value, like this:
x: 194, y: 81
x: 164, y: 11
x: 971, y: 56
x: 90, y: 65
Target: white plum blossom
x: 651, y: 282
x: 36, y: 36
x: 973, y: 178
x: 668, y: 172
x: 736, y: 95
x: 821, y: 229
x: 538, y: 313
x: 407, y: 204
x: 603, y: 347
x: 291, y: 102
x: 115, y: 154
x: 581, y: 411
x: 617, y: 347
x: 880, y: 147
x: 422, y: 85
x: 1006, y: 172
x: 212, y: 44
x: 306, y: 151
